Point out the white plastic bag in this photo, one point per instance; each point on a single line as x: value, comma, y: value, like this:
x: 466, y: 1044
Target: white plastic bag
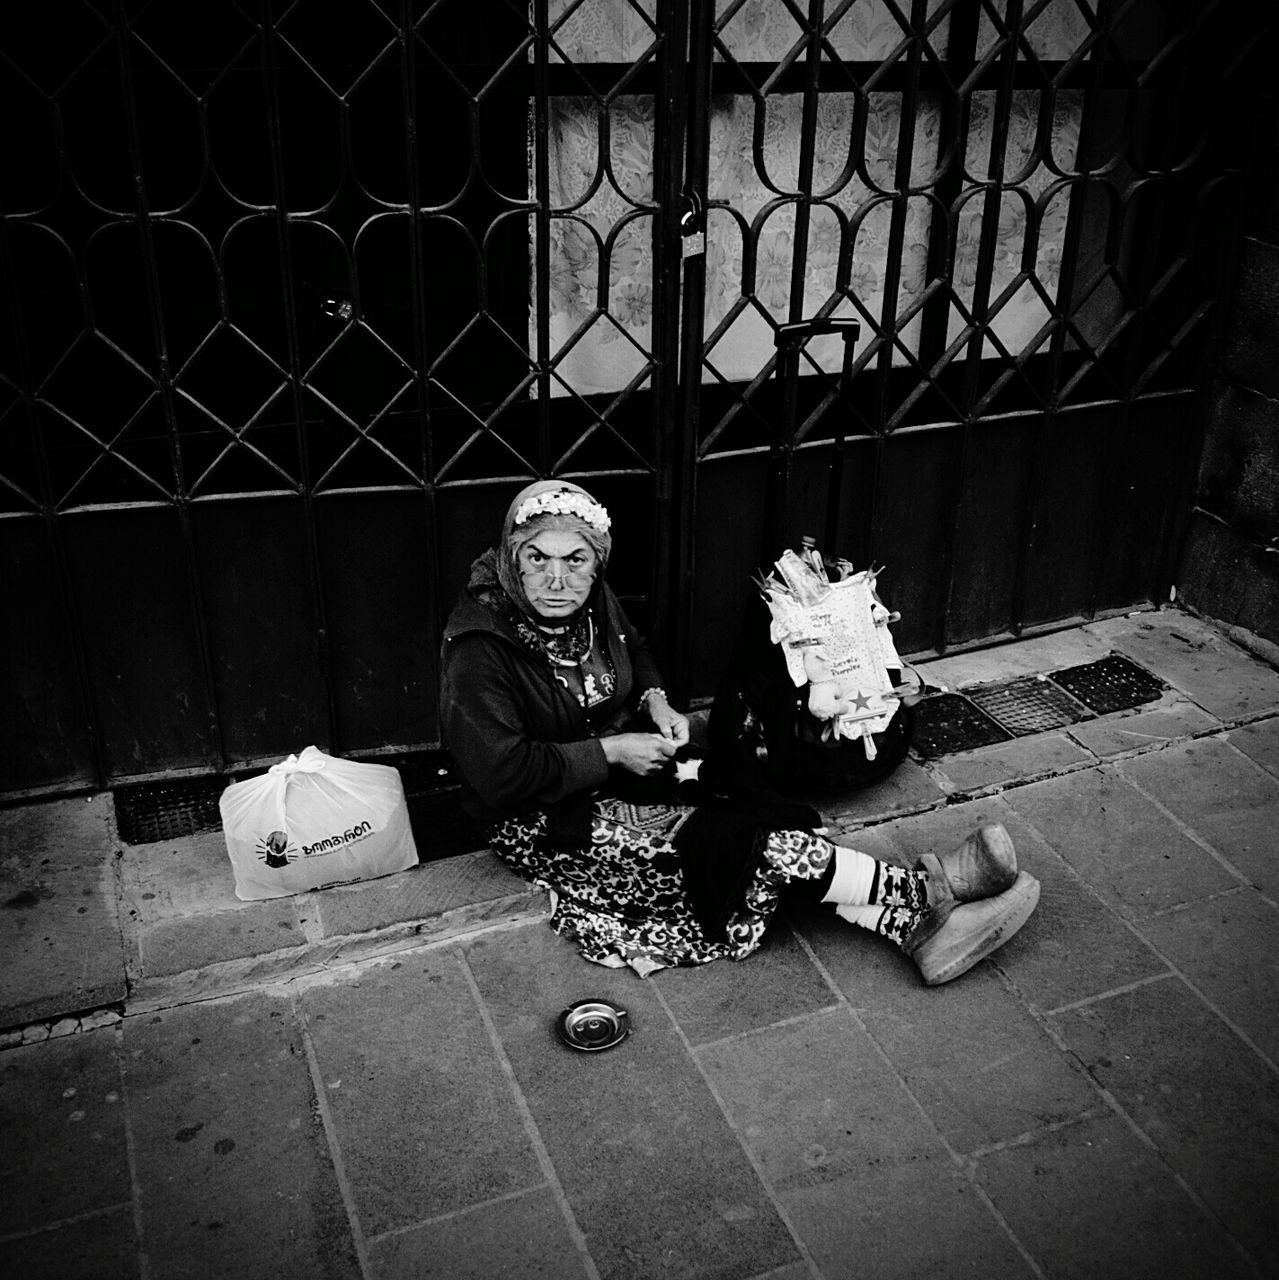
x: 315, y: 820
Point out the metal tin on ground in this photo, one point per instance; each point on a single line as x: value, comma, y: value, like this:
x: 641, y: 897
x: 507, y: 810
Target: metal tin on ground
x: 592, y: 1025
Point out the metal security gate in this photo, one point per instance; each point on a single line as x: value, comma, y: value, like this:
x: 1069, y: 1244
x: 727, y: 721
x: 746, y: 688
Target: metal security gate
x: 1031, y: 208
x: 298, y: 294
x: 287, y: 324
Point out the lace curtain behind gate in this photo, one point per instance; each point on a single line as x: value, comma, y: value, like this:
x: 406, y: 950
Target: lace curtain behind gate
x: 601, y: 192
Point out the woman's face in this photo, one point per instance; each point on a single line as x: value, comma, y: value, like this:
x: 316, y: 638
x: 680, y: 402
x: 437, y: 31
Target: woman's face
x: 557, y: 569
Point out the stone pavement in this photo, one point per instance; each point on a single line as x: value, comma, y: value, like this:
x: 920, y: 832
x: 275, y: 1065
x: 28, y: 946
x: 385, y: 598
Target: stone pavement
x: 364, y: 1082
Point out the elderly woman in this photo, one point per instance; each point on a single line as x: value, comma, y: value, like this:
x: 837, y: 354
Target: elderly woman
x: 554, y: 711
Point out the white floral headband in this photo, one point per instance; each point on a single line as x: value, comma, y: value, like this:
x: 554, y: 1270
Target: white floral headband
x: 564, y: 502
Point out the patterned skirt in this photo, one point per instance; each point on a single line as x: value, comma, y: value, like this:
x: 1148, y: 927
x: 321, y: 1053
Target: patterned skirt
x: 622, y: 899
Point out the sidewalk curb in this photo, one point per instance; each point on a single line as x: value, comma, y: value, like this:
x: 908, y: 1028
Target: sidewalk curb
x: 234, y: 977
x: 231, y: 977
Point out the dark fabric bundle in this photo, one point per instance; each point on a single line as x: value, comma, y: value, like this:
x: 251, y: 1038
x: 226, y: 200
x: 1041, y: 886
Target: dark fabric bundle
x: 721, y: 847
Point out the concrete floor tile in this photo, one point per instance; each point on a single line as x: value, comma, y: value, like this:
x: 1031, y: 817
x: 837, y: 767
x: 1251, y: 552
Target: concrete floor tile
x: 913, y: 1218
x: 1229, y: 949
x: 1195, y: 658
x: 816, y: 1097
x: 715, y: 1000
x: 1133, y: 855
x: 850, y: 1155
x: 969, y: 1051
x: 423, y: 891
x: 1259, y: 741
x: 657, y: 1181
x: 1221, y: 795
x: 65, y: 1148
x: 59, y: 921
x: 1075, y: 945
x: 1070, y: 648
x: 102, y: 1247
x: 1011, y: 761
x: 792, y: 1271
x: 1139, y: 730
x: 1206, y: 1101
x: 1093, y: 1200
x: 233, y: 1166
x: 250, y: 929
x: 179, y: 878
x: 524, y: 1236
x: 909, y: 787
x: 425, y: 1116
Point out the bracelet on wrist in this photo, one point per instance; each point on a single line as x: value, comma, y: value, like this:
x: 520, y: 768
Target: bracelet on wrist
x: 651, y: 692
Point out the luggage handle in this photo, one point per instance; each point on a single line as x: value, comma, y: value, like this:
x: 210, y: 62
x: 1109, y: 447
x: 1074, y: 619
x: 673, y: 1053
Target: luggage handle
x: 788, y: 338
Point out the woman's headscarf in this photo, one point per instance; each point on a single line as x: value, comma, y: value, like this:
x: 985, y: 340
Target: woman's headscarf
x: 544, y: 504
x: 550, y: 504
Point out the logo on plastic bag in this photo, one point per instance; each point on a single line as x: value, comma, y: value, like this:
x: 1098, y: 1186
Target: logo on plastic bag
x: 339, y: 840
x: 276, y: 850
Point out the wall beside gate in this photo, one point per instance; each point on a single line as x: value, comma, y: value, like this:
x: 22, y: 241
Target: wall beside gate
x: 1230, y: 564
x: 298, y: 293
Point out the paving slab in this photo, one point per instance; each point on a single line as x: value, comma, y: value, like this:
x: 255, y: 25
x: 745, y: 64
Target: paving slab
x: 656, y: 1180
x: 712, y: 1001
x: 524, y: 1236
x: 183, y: 914
x: 1260, y: 742
x: 1154, y: 725
x: 1052, y: 652
x: 1228, y: 947
x: 178, y: 946
x: 1224, y: 797
x: 1194, y: 657
x: 232, y: 1162
x: 93, y: 1248
x: 478, y: 879
x: 969, y: 1051
x: 426, y: 1120
x: 1075, y: 945
x: 178, y: 878
x: 1138, y: 859
x: 851, y: 1157
x: 1205, y: 1100
x: 189, y: 937
x: 908, y: 788
x: 1002, y: 763
x: 1091, y: 1199
x: 65, y: 1147
x: 59, y: 921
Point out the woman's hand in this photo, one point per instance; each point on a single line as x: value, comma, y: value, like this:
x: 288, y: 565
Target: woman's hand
x: 668, y: 722
x: 641, y: 753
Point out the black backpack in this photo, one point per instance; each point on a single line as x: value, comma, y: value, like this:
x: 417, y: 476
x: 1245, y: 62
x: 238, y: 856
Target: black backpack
x: 762, y: 736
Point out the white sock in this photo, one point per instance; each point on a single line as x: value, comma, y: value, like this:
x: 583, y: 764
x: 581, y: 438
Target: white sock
x: 854, y: 877
x: 867, y: 917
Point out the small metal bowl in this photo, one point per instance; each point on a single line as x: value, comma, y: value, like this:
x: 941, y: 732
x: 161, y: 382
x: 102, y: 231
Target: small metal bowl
x: 592, y: 1025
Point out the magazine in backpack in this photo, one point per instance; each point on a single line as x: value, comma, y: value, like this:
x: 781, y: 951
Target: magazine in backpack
x: 835, y: 640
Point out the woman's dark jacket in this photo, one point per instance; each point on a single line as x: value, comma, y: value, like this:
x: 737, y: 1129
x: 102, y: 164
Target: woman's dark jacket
x: 520, y: 740
x: 522, y: 743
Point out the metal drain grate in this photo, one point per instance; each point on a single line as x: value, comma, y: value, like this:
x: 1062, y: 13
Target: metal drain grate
x: 1111, y: 684
x: 151, y: 811
x: 948, y: 722
x: 1029, y: 705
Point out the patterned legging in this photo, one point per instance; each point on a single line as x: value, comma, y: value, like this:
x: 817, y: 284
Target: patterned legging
x: 622, y: 898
